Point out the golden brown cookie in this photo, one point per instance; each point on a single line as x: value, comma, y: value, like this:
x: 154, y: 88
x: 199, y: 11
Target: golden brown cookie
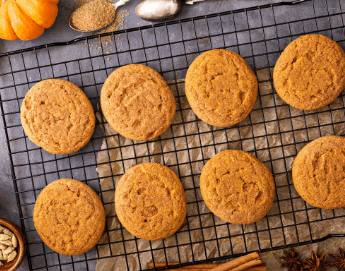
x: 309, y: 74
x: 69, y: 217
x: 137, y: 102
x: 150, y: 201
x: 237, y: 187
x: 221, y: 88
x: 318, y: 172
x: 57, y: 116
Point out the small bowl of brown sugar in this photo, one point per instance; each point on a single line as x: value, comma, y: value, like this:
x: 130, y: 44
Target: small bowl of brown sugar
x: 94, y: 15
x: 12, y: 245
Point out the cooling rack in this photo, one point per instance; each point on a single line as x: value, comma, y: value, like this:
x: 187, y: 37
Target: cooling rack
x: 274, y: 132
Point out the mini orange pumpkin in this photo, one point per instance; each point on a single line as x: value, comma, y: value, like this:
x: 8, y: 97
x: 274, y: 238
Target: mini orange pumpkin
x: 26, y: 19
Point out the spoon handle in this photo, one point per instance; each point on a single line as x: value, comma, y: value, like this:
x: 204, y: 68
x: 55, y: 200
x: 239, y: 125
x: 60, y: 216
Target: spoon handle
x: 191, y: 2
x: 119, y: 3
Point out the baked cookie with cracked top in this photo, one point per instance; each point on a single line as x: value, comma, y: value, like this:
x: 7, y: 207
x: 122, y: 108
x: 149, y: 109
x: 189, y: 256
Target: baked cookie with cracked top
x: 150, y: 201
x: 237, y: 187
x: 309, y: 74
x: 69, y: 217
x: 137, y: 102
x: 221, y: 88
x: 318, y: 172
x: 57, y: 116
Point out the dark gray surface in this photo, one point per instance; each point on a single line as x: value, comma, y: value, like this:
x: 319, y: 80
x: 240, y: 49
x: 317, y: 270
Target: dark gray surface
x: 61, y: 32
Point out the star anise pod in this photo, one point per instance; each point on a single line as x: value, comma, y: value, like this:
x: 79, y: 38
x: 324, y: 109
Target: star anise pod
x: 315, y: 263
x: 340, y: 260
x: 291, y: 260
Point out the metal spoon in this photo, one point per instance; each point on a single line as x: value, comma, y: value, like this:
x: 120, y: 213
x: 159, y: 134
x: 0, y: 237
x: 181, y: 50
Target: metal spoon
x: 116, y: 6
x: 160, y: 10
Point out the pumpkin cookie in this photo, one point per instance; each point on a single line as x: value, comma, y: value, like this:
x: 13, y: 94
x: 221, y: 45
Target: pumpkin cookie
x: 309, y: 74
x: 318, y: 172
x: 221, y: 88
x: 237, y: 187
x: 137, y: 102
x: 69, y: 217
x: 57, y: 116
x: 150, y: 201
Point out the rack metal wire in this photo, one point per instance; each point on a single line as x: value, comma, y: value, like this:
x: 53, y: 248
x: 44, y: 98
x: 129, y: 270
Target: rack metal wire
x: 274, y: 132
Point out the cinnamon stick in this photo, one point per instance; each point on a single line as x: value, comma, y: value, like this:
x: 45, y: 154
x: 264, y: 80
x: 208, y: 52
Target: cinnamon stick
x: 247, y: 265
x: 257, y: 268
x: 193, y: 267
x: 254, y: 258
x: 250, y: 262
x: 200, y: 267
x: 186, y: 268
x: 189, y: 269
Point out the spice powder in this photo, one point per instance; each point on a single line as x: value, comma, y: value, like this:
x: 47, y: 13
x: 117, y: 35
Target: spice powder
x: 93, y: 16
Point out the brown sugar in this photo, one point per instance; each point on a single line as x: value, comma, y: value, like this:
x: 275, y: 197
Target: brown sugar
x: 118, y: 23
x: 93, y: 16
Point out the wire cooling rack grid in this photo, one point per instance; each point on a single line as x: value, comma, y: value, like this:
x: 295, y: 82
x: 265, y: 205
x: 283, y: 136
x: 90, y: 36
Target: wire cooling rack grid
x: 258, y: 34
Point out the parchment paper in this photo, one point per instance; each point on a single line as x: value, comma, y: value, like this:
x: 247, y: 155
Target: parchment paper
x: 260, y: 139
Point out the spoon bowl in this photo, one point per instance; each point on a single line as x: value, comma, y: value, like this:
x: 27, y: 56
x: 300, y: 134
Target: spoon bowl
x: 116, y: 6
x: 158, y: 10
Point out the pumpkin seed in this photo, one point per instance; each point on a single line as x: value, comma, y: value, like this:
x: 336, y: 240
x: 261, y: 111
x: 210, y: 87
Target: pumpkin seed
x: 14, y: 241
x: 8, y: 250
x: 12, y: 256
x: 4, y: 256
x: 4, y: 237
x: 8, y: 232
x: 6, y: 242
